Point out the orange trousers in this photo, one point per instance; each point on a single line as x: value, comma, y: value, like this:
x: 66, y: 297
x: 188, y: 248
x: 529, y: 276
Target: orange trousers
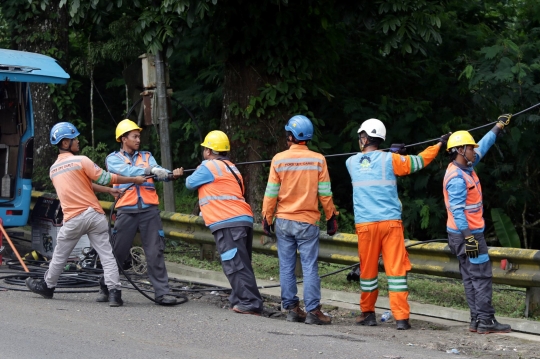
x: 386, y: 237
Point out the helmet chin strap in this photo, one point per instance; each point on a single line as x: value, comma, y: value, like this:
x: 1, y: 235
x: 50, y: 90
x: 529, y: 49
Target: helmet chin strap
x: 69, y: 147
x: 469, y: 162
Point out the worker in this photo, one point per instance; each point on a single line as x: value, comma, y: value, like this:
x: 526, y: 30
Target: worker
x: 377, y: 216
x: 137, y: 209
x: 298, y: 179
x: 72, y: 177
x: 230, y: 219
x: 465, y: 225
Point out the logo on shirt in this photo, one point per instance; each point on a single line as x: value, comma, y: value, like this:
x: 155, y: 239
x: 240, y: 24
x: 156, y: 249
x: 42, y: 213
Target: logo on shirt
x: 365, y: 163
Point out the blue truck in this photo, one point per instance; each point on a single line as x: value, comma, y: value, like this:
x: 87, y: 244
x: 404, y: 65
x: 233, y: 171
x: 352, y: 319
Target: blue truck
x: 18, y: 70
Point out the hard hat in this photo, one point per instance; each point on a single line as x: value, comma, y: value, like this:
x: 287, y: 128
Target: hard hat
x: 373, y: 128
x: 125, y: 126
x: 460, y: 138
x: 217, y: 141
x: 301, y: 127
x: 63, y: 130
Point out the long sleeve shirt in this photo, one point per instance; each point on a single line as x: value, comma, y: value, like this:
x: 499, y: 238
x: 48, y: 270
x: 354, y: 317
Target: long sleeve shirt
x: 298, y: 180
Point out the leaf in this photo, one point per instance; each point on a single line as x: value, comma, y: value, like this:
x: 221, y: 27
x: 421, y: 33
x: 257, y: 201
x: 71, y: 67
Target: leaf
x: 504, y: 229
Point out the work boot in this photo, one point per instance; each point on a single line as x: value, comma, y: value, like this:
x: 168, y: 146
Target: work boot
x: 39, y: 286
x: 296, y: 314
x: 238, y: 308
x: 115, y: 298
x: 367, y: 318
x: 486, y: 326
x: 403, y: 324
x: 103, y: 295
x: 163, y: 300
x: 473, y: 326
x: 317, y: 317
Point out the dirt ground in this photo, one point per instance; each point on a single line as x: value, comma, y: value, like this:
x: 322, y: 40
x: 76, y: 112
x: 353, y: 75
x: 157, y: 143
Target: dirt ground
x: 423, y: 333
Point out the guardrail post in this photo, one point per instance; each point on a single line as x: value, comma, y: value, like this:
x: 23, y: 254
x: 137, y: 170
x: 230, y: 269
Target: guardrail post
x: 532, y: 301
x: 208, y: 252
x: 298, y: 270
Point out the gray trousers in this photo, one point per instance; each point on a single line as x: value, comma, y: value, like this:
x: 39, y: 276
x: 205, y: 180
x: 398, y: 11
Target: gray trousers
x: 477, y: 278
x: 95, y: 225
x: 153, y: 242
x: 238, y: 268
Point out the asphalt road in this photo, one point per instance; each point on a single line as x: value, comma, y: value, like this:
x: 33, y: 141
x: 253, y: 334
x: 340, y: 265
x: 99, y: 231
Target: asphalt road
x: 74, y: 326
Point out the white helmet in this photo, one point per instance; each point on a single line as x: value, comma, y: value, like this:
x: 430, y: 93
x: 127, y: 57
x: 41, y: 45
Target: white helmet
x: 373, y: 128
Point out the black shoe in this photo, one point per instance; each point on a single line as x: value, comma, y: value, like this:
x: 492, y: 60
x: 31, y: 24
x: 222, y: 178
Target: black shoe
x: 367, y: 318
x: 39, y: 286
x: 486, y: 326
x: 103, y: 295
x: 318, y: 317
x: 403, y: 324
x: 163, y: 300
x: 115, y: 298
x: 473, y: 326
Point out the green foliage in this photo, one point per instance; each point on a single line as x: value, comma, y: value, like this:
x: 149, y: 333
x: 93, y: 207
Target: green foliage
x: 4, y: 32
x: 504, y: 229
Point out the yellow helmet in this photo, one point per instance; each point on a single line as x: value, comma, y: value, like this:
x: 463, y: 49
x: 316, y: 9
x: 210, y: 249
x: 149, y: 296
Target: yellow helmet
x: 125, y: 126
x: 460, y: 138
x: 217, y: 141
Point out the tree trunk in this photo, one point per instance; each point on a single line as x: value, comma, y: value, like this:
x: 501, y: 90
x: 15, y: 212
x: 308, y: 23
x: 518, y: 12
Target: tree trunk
x: 41, y: 33
x: 254, y: 138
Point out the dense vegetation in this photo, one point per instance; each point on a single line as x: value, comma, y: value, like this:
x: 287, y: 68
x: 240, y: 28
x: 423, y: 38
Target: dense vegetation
x: 423, y: 67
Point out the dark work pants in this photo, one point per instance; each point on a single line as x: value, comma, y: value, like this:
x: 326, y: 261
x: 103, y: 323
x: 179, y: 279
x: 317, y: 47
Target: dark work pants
x: 238, y: 269
x: 149, y: 224
x: 477, y: 278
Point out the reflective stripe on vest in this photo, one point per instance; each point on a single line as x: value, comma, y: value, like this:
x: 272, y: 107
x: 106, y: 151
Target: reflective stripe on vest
x: 473, y: 207
x: 222, y: 199
x: 146, y: 191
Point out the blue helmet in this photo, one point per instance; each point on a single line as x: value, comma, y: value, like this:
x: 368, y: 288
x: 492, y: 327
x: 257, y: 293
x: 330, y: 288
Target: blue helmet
x: 63, y: 130
x: 301, y: 127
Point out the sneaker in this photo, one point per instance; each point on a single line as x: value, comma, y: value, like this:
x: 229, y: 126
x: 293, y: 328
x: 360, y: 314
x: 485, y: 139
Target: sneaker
x: 296, y: 314
x: 473, y: 326
x: 367, y: 318
x: 39, y: 286
x: 163, y: 300
x: 317, y: 317
x: 115, y: 298
x: 403, y: 324
x: 486, y: 326
x: 103, y: 295
x: 244, y: 310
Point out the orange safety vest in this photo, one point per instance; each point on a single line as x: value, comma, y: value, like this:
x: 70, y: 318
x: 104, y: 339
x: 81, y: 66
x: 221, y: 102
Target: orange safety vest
x: 222, y: 199
x: 473, y: 208
x: 146, y: 191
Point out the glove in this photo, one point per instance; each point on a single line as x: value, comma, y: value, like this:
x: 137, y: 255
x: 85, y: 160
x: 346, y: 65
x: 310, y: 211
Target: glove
x: 398, y: 148
x: 471, y: 247
x: 268, y: 228
x: 161, y: 174
x: 504, y: 120
x: 444, y: 139
x: 331, y: 225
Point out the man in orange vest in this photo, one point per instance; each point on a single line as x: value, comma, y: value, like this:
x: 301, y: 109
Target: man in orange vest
x: 229, y: 218
x: 72, y: 177
x: 298, y: 180
x: 138, y: 209
x: 465, y: 225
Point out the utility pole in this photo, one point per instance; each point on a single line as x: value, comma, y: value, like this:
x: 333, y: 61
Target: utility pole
x: 164, y: 138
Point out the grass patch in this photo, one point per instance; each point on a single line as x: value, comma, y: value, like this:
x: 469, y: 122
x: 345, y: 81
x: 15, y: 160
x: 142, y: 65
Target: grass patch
x: 445, y: 292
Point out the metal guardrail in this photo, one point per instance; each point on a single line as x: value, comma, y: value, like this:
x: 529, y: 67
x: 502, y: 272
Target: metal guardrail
x: 430, y: 258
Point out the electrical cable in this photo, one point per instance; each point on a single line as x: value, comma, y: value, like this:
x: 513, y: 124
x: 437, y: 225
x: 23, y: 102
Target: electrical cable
x: 384, y: 149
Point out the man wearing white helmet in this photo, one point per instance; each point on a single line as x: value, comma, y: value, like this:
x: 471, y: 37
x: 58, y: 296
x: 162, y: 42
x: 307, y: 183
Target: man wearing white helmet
x: 377, y: 214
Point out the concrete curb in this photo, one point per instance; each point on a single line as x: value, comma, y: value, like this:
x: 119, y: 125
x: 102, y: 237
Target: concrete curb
x: 350, y: 301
